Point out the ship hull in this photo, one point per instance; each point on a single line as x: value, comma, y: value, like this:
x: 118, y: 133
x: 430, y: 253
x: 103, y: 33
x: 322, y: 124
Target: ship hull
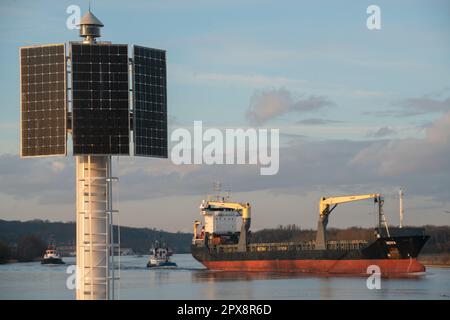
x: 393, y: 255
x: 387, y: 267
x: 52, y: 261
x: 162, y: 265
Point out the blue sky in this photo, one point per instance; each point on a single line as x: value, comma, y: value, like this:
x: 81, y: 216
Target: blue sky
x: 385, y: 86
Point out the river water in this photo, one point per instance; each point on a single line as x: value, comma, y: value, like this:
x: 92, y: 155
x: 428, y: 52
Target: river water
x: 191, y: 281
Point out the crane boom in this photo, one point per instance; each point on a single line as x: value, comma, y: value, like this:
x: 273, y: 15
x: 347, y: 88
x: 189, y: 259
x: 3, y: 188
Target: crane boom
x: 327, y: 205
x: 243, y: 208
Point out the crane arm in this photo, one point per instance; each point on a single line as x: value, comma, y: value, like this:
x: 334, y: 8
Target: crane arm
x: 325, y: 203
x: 226, y: 205
x: 243, y: 208
x: 325, y: 210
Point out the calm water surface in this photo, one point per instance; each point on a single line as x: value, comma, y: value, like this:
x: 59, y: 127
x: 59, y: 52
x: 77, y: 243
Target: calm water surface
x: 191, y: 281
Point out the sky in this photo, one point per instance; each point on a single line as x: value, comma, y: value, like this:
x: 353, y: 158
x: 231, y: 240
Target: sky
x: 359, y: 110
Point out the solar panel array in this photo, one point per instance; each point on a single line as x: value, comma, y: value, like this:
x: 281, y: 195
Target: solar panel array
x: 150, y: 102
x: 43, y: 100
x: 100, y: 92
x: 100, y: 100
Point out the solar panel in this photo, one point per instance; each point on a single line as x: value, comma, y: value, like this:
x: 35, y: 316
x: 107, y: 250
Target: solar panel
x: 43, y: 113
x: 150, y: 102
x: 100, y: 92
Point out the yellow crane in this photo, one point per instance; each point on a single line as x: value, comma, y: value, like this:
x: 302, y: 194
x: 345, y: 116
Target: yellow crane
x: 327, y: 205
x: 244, y: 209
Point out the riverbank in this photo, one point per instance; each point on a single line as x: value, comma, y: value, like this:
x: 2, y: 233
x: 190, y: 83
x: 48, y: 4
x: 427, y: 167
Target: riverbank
x: 438, y: 259
x: 10, y: 261
x: 435, y: 260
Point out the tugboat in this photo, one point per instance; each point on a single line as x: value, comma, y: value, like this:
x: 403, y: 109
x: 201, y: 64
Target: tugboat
x: 51, y: 255
x: 159, y: 257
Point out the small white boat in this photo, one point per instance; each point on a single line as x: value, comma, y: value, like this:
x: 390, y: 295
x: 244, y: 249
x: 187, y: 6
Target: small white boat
x: 52, y: 256
x: 159, y: 258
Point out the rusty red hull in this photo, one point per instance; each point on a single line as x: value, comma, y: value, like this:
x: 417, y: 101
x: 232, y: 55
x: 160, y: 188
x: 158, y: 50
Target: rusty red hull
x: 387, y: 267
x: 394, y: 254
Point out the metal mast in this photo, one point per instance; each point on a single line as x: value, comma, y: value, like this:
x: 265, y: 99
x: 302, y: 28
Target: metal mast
x: 103, y: 80
x: 95, y: 241
x: 95, y: 247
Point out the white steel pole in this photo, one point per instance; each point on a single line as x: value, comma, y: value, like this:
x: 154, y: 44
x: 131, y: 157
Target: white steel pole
x: 110, y: 227
x: 93, y: 239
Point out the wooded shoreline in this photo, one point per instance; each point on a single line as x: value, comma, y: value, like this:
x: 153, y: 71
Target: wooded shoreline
x: 26, y: 241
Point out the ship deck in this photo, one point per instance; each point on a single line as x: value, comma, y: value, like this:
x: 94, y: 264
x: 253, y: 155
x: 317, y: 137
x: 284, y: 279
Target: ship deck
x: 290, y: 246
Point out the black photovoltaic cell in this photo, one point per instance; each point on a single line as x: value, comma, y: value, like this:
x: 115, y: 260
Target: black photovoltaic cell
x: 150, y: 102
x: 100, y: 99
x: 43, y: 100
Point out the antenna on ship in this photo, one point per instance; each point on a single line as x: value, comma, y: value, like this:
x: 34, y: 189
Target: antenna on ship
x: 400, y: 198
x: 217, y: 188
x: 227, y: 194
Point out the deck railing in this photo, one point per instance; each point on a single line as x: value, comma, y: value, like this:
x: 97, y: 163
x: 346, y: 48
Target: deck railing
x: 292, y: 246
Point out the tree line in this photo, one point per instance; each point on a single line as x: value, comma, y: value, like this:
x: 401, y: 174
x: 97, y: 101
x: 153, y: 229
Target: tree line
x: 27, y: 241
x: 29, y: 248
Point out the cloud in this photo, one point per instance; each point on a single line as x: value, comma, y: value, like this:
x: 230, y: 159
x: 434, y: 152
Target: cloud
x: 50, y: 180
x: 317, y: 121
x: 421, y: 166
x: 424, y: 105
x: 189, y: 75
x: 410, y: 156
x: 58, y: 166
x: 269, y: 104
x: 381, y: 132
x: 431, y: 103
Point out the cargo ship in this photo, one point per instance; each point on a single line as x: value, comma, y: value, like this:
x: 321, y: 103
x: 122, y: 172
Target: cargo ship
x: 218, y: 244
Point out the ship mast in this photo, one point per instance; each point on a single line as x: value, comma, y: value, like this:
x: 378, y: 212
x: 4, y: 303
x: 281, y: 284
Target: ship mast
x: 400, y: 197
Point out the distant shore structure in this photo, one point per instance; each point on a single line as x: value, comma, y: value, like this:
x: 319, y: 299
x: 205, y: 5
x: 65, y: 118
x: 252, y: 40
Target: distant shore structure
x: 113, y: 103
